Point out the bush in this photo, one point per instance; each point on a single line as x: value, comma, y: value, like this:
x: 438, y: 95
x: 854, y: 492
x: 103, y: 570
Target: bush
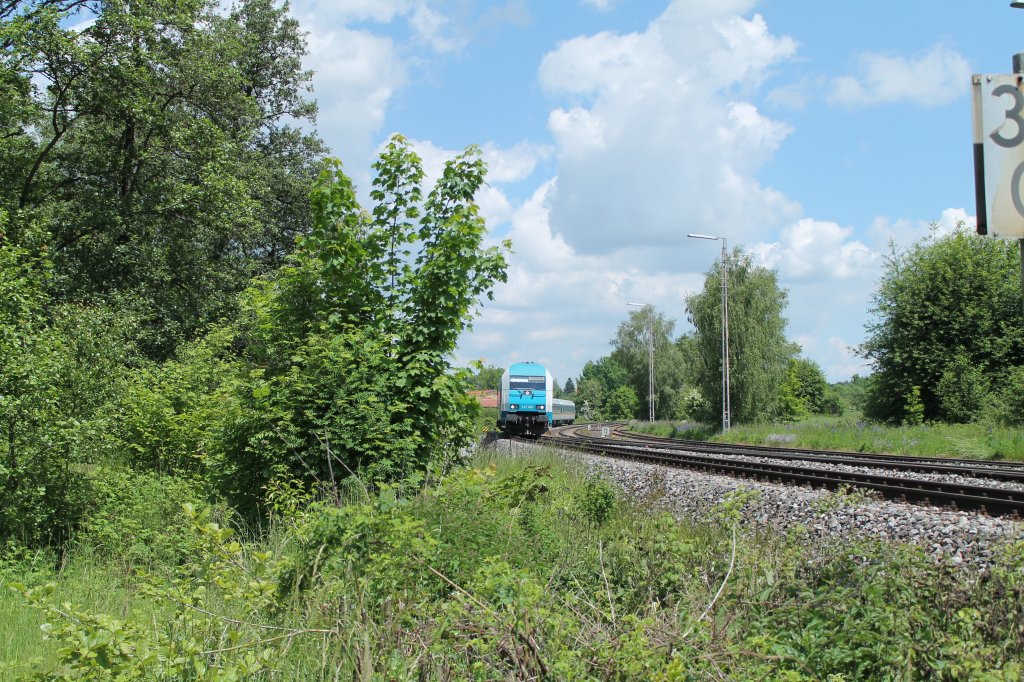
x: 53, y: 383
x: 345, y: 351
x: 1008, y: 406
x: 962, y: 391
x: 138, y: 519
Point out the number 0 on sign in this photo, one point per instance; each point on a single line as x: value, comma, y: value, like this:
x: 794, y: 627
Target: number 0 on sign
x: 999, y: 154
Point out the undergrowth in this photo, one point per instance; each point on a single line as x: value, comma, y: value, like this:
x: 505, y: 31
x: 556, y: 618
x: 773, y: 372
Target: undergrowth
x: 512, y: 568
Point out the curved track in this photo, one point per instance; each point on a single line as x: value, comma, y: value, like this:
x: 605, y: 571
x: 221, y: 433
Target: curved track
x: 889, y: 475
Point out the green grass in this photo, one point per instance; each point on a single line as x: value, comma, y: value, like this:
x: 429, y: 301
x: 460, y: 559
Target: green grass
x: 971, y: 441
x: 520, y: 567
x: 86, y: 582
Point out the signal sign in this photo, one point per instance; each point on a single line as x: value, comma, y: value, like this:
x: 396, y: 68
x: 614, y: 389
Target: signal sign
x: 998, y: 107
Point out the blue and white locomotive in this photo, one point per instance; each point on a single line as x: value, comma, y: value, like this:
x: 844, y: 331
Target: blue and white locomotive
x: 526, y: 401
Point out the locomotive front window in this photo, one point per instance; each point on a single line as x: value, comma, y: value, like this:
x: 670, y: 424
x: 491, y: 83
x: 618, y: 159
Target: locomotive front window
x: 526, y: 383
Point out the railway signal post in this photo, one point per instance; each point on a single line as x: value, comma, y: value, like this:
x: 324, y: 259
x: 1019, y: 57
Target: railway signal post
x: 998, y: 118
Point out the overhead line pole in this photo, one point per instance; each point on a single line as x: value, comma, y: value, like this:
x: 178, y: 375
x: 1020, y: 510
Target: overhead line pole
x: 650, y: 360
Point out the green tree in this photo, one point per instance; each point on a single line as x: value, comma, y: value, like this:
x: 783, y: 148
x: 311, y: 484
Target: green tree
x: 805, y: 390
x: 596, y: 382
x: 947, y: 301
x: 1008, y: 404
x: 590, y: 396
x: 851, y: 394
x: 161, y: 148
x: 347, y: 348
x: 758, y: 350
x: 622, y: 403
x: 631, y: 353
x: 606, y: 371
x: 570, y: 388
x: 962, y: 392
x: 486, y: 377
x: 59, y: 364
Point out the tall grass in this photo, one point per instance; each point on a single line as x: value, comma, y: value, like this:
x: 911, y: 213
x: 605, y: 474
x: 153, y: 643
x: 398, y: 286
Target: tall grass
x: 518, y: 567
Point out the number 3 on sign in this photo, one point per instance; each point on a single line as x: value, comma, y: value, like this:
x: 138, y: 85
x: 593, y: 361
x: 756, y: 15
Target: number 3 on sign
x: 1012, y: 115
x: 999, y: 154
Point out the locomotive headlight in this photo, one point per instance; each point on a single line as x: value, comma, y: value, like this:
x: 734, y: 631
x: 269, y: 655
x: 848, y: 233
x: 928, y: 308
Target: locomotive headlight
x: 513, y: 407
x: 541, y: 406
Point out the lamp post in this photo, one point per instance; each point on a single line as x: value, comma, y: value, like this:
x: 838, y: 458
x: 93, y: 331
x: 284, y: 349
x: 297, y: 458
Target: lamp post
x: 650, y: 360
x: 726, y: 404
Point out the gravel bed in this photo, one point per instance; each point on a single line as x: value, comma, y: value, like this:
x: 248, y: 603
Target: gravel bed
x: 961, y: 537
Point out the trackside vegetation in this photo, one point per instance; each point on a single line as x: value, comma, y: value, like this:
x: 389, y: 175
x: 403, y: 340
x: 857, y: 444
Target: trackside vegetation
x: 981, y: 441
x: 233, y: 445
x: 509, y: 568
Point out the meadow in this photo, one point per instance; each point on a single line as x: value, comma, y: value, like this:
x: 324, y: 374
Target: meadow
x: 514, y: 567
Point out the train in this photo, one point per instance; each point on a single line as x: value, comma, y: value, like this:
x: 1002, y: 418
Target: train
x: 526, y: 401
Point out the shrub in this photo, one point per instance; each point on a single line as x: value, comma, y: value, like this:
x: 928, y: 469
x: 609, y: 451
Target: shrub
x: 56, y: 372
x: 961, y: 392
x: 138, y: 519
x: 597, y: 501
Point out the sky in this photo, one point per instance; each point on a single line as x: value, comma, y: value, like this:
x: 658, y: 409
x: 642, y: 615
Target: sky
x: 814, y: 135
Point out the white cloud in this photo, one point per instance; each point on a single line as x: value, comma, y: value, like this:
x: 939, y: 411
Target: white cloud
x: 932, y: 79
x: 794, y: 96
x: 817, y: 250
x: 358, y: 10
x: 844, y: 361
x: 434, y: 28
x: 429, y: 26
x: 524, y: 323
x: 902, y: 233
x: 514, y: 163
x: 356, y: 74
x: 510, y: 164
x: 657, y: 140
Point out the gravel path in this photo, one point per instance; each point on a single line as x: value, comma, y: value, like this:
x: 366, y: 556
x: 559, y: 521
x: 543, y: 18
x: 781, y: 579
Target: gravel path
x: 964, y: 538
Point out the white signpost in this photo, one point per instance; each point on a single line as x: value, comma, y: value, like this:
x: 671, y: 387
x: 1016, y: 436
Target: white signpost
x: 998, y: 103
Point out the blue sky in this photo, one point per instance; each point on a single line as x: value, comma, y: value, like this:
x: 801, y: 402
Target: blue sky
x: 810, y: 133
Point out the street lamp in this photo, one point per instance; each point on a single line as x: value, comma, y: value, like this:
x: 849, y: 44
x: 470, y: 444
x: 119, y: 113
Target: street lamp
x: 650, y: 360
x: 726, y: 405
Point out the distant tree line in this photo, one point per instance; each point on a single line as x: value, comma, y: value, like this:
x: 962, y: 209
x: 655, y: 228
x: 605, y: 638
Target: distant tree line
x: 769, y: 380
x: 946, y: 344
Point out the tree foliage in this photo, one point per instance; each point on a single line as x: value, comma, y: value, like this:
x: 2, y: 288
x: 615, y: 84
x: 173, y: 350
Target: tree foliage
x: 485, y: 377
x: 596, y: 383
x: 347, y: 349
x: 947, y: 328
x: 631, y: 346
x: 59, y: 365
x: 759, y: 353
x: 806, y: 392
x: 158, y: 145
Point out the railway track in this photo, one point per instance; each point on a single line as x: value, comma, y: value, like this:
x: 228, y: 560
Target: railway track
x: 890, y: 476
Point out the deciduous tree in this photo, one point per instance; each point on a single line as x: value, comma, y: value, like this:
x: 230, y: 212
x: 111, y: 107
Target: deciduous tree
x: 948, y: 302
x: 758, y: 350
x: 158, y: 144
x: 631, y: 352
x: 347, y: 348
